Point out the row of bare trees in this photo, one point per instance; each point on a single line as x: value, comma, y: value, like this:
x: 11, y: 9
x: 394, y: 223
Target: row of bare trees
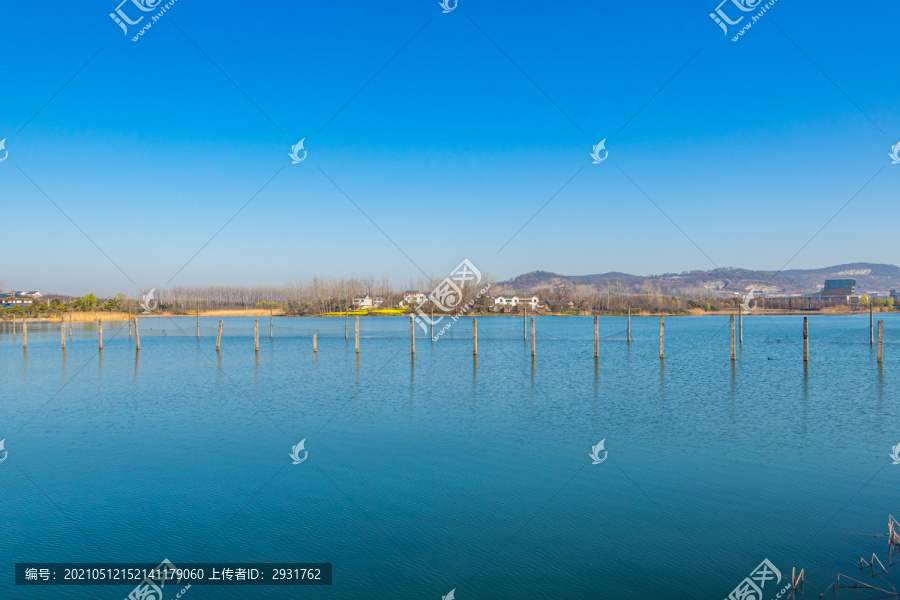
x: 316, y: 296
x: 324, y: 294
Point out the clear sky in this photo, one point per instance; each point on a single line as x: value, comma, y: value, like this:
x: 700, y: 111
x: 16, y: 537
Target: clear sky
x: 449, y: 131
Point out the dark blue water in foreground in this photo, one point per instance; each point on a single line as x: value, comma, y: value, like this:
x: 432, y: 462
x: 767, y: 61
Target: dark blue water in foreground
x: 446, y: 472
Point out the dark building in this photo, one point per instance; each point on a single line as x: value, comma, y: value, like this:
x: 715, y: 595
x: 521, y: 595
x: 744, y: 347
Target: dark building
x: 840, y: 289
x: 836, y: 288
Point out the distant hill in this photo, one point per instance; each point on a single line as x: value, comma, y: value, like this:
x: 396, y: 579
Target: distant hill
x: 870, y: 278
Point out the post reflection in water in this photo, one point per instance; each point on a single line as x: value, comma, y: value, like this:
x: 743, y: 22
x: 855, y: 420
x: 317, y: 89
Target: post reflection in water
x: 256, y: 374
x: 662, y: 377
x: 99, y: 367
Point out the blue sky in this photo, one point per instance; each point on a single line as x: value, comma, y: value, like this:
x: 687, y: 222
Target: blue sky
x: 450, y: 131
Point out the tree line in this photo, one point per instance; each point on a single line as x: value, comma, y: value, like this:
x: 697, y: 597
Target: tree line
x: 322, y: 295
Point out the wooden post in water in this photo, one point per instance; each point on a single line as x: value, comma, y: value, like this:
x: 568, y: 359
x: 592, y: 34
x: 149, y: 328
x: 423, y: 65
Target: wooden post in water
x: 732, y: 337
x: 805, y: 339
x: 880, y: 339
x: 741, y: 324
x: 219, y: 336
x: 198, y: 322
x: 475, y: 337
x: 662, y: 336
x: 356, y: 328
x: 525, y: 325
x: 25, y: 334
x: 256, y: 334
x: 271, y: 324
x: 346, y: 323
x: 315, y: 344
x: 137, y: 334
x: 532, y: 336
x: 629, y: 324
x: 596, y: 336
x: 871, y: 325
x: 62, y: 333
x: 100, y: 332
x: 412, y: 334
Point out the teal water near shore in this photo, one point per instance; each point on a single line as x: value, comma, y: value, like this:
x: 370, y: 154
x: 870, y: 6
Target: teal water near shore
x: 448, y: 471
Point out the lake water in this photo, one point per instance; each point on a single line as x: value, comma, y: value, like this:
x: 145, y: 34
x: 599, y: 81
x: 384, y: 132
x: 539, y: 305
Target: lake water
x: 447, y: 472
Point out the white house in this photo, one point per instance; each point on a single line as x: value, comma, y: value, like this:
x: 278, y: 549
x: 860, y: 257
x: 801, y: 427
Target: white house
x: 413, y: 297
x: 532, y: 302
x: 367, y: 302
x: 515, y: 301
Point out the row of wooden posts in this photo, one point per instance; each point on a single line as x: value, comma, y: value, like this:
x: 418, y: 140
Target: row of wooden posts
x: 133, y: 326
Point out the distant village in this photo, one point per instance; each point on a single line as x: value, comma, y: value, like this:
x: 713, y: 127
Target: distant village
x: 412, y: 298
